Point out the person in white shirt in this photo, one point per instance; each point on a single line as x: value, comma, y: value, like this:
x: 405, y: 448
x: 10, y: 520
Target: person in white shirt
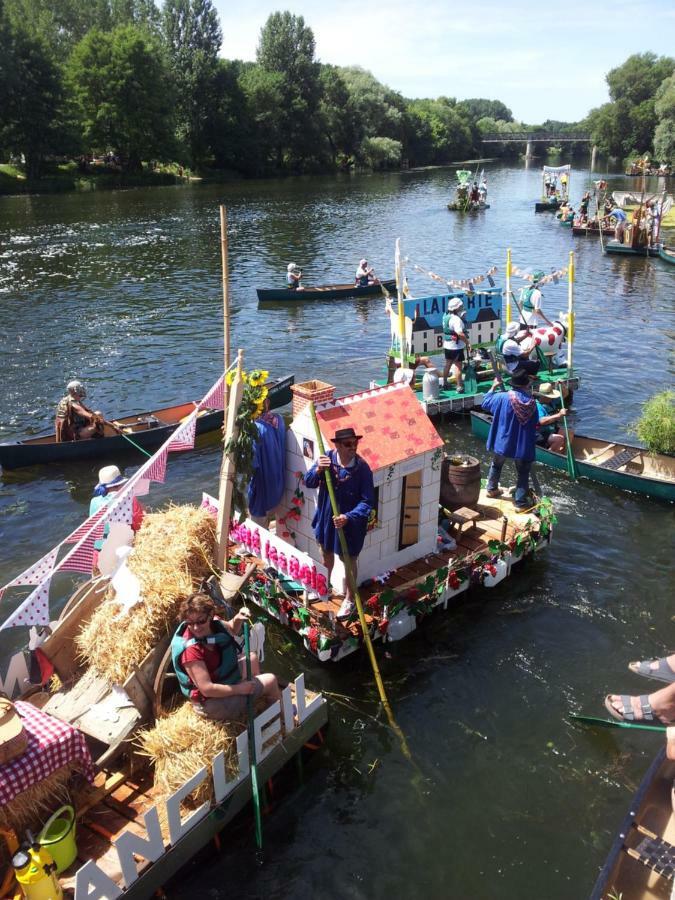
x: 454, y: 341
x: 508, y: 344
x: 531, y: 303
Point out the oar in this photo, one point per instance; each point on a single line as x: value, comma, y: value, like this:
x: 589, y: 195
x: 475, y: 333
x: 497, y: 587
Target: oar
x: 614, y: 723
x: 346, y: 559
x: 470, y: 378
x: 120, y: 431
x: 571, y: 462
x: 251, y: 742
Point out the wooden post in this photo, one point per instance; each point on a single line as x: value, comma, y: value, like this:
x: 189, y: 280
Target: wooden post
x: 570, y: 312
x: 508, y: 286
x: 399, y: 294
x: 226, y: 300
x: 227, y: 470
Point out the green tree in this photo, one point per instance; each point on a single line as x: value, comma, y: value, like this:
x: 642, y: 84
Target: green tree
x: 445, y: 133
x: 639, y: 77
x: 335, y: 116
x: 118, y: 80
x: 664, y: 141
x: 479, y: 108
x: 192, y: 32
x: 286, y: 48
x: 264, y: 117
x: 381, y: 152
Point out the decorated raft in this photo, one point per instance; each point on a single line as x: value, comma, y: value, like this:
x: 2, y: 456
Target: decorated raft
x: 404, y: 572
x: 462, y: 201
x: 552, y: 197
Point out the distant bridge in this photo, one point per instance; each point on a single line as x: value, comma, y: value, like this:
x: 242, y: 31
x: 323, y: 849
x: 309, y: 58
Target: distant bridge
x: 527, y: 137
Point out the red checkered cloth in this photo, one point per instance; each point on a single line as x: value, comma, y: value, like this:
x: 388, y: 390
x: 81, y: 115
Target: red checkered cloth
x: 52, y: 744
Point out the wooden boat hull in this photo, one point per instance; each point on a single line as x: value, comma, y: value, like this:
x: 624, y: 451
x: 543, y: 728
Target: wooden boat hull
x: 585, y: 231
x: 473, y: 207
x: 547, y: 205
x: 149, y: 436
x: 647, y: 485
x: 667, y: 254
x: 624, y: 875
x: 624, y: 250
x: 326, y: 292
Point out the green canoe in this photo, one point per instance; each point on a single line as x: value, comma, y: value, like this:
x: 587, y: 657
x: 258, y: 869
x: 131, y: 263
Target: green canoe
x: 608, y: 462
x: 667, y: 254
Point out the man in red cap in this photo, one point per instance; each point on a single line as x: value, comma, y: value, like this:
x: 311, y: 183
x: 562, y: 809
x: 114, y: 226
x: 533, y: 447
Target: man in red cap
x: 355, y: 495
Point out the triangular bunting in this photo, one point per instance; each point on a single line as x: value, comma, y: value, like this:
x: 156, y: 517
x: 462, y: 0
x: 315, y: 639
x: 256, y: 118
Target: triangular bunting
x: 156, y: 471
x: 80, y: 532
x: 123, y: 511
x: 34, y: 610
x: 141, y: 487
x: 38, y: 571
x: 81, y: 558
x: 184, y: 437
x: 215, y: 399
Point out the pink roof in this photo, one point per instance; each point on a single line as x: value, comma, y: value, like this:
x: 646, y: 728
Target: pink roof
x: 393, y: 424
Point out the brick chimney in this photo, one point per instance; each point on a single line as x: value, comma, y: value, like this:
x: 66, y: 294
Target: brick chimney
x: 316, y: 391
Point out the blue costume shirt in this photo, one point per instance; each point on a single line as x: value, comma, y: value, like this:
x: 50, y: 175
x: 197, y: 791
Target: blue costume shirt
x: 266, y: 487
x: 508, y: 437
x: 355, y: 497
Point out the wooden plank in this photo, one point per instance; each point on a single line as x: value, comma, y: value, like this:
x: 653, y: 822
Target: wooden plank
x: 60, y: 645
x: 93, y: 794
x: 410, y: 509
x: 68, y: 705
x: 106, y: 822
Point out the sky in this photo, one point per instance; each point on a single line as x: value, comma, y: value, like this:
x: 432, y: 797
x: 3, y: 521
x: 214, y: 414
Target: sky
x: 543, y: 60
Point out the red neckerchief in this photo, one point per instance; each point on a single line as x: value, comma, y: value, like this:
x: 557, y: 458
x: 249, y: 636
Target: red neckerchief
x: 524, y: 409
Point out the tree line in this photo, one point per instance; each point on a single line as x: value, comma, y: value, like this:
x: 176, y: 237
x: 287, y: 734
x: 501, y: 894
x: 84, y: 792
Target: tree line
x: 126, y: 78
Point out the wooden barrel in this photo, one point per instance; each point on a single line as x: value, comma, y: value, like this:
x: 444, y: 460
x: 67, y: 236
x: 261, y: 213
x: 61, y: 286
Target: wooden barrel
x: 460, y: 482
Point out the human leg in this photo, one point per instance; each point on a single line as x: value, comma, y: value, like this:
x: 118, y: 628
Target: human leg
x: 523, y: 483
x: 494, y: 475
x: 658, y: 706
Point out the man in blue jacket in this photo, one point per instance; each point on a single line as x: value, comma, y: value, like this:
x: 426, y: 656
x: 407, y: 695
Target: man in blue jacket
x: 513, y: 434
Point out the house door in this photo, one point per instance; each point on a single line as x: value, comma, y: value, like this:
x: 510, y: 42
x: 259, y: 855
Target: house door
x: 410, y: 510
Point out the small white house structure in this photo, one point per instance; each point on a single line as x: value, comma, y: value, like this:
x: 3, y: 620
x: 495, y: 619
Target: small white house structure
x: 404, y: 452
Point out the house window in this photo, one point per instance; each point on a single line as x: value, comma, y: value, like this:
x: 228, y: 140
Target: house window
x: 410, y: 510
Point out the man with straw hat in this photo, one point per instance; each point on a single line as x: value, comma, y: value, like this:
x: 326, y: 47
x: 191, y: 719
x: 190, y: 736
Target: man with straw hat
x: 547, y: 429
x: 513, y: 435
x: 355, y: 495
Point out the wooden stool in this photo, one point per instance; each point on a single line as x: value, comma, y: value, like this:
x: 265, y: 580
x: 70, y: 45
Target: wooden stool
x: 461, y: 516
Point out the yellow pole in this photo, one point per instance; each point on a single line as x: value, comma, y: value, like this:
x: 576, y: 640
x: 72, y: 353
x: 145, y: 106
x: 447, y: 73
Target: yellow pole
x: 570, y: 312
x: 508, y: 286
x: 355, y: 591
x: 399, y: 294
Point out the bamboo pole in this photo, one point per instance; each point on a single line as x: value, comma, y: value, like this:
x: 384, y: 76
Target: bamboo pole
x: 508, y: 286
x: 355, y: 593
x: 401, y: 311
x: 570, y: 312
x: 227, y: 470
x: 226, y: 285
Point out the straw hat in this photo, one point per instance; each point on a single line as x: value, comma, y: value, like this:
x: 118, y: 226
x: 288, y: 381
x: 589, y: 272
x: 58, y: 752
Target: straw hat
x: 291, y: 267
x: 110, y: 476
x: 548, y: 392
x: 512, y: 329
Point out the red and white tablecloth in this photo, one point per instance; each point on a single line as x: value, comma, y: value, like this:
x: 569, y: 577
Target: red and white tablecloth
x: 52, y: 744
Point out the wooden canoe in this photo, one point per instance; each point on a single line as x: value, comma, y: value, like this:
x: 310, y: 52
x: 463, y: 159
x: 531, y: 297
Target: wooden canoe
x: 641, y: 862
x: 591, y: 229
x: 667, y: 254
x: 547, y: 205
x: 147, y: 429
x: 626, y: 250
x: 607, y: 462
x: 324, y: 292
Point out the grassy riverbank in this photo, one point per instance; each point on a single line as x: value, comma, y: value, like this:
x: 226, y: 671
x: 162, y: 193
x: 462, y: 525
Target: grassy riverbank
x: 67, y: 177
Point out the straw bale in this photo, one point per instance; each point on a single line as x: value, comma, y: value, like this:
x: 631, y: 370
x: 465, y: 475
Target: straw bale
x: 182, y: 743
x: 173, y: 552
x: 32, y: 807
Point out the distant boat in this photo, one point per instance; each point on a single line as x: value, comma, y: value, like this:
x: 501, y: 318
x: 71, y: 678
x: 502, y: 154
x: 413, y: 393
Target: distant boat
x: 590, y: 228
x: 324, y: 292
x: 626, y: 250
x: 607, y: 462
x: 147, y: 429
x: 641, y: 861
x: 548, y: 205
x: 667, y: 254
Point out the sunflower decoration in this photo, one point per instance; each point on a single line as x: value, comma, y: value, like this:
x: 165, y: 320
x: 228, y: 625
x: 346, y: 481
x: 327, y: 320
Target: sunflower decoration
x: 241, y: 449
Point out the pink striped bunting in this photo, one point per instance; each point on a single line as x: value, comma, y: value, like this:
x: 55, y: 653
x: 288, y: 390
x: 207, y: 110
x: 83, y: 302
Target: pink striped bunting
x: 34, y: 610
x: 79, y: 533
x: 215, y: 399
x: 81, y: 558
x: 156, y: 470
x: 184, y: 437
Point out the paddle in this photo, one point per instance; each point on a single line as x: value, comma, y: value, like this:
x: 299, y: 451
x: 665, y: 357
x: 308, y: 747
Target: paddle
x: 614, y: 723
x: 571, y: 462
x: 470, y: 377
x: 126, y: 437
x: 251, y: 742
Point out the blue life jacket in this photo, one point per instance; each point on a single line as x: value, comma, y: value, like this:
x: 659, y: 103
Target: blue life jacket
x: 228, y: 670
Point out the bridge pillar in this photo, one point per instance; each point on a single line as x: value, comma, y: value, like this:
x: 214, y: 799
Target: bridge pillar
x: 528, y: 151
x: 594, y: 156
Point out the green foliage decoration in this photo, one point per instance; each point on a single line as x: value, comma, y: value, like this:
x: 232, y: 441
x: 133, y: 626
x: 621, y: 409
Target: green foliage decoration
x: 656, y: 425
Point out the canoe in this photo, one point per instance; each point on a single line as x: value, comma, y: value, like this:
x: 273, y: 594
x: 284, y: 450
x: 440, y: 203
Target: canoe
x: 592, y: 230
x: 147, y: 429
x: 454, y: 206
x: 324, y: 292
x: 641, y: 862
x: 607, y: 462
x: 667, y: 254
x: 547, y: 205
x: 626, y: 250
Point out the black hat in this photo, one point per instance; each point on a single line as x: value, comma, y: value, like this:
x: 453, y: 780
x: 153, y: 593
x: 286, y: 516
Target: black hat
x: 520, y: 378
x: 343, y: 434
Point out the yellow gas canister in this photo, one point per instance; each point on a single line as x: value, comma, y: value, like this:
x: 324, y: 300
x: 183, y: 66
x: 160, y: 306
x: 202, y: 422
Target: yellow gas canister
x: 34, y: 869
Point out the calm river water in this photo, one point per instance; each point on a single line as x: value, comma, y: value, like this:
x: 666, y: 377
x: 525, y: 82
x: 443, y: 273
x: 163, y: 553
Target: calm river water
x: 123, y: 291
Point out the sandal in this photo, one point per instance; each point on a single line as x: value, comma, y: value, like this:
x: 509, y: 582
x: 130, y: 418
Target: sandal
x: 659, y: 672
x: 626, y: 714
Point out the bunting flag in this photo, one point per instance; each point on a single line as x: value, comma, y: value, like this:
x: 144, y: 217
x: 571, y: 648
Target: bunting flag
x: 156, y: 470
x: 81, y: 558
x: 85, y: 527
x: 35, y: 608
x: 215, y: 399
x: 123, y: 510
x: 210, y: 504
x: 458, y: 284
x: 184, y: 437
x: 38, y: 571
x: 553, y: 276
x: 140, y: 487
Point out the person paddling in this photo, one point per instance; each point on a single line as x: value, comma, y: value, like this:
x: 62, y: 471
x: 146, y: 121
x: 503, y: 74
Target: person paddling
x: 74, y: 421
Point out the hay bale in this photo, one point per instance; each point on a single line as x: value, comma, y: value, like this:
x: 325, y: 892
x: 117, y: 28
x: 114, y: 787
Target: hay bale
x: 173, y: 552
x: 32, y: 807
x: 182, y: 743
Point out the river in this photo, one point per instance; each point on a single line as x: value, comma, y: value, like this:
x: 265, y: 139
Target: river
x: 123, y: 291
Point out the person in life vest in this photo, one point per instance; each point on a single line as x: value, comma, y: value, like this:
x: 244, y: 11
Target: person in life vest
x: 530, y: 303
x: 293, y: 277
x: 455, y: 339
x: 509, y: 345
x: 210, y: 669
x: 364, y: 275
x: 548, y: 434
x: 74, y: 421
